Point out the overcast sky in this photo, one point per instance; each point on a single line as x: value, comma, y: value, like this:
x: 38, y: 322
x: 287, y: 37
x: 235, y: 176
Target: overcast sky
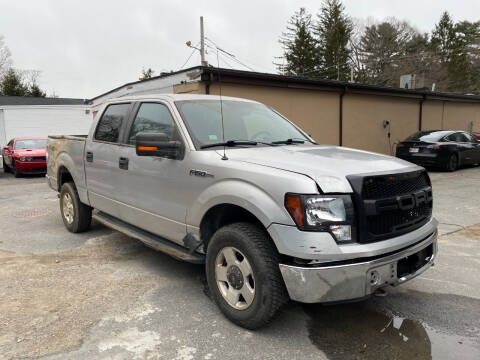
x: 85, y: 48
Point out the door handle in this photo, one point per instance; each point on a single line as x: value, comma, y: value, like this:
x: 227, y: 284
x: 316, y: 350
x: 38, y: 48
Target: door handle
x: 89, y: 156
x: 123, y: 163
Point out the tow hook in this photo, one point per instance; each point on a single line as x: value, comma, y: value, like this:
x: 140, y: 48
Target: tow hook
x: 380, y: 292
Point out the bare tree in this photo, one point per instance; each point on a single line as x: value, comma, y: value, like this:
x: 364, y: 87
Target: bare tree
x: 5, y: 57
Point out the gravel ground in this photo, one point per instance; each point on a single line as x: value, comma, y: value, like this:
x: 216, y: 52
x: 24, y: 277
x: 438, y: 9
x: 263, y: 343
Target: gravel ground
x: 102, y: 295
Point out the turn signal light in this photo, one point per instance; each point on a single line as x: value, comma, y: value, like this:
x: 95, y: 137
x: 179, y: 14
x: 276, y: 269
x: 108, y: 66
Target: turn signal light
x: 147, y: 148
x: 293, y: 204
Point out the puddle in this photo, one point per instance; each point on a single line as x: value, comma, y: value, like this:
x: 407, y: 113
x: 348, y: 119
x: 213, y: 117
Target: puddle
x: 353, y: 331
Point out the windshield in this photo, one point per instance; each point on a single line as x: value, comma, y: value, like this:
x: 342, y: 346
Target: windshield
x: 242, y: 121
x: 31, y: 144
x: 428, y: 136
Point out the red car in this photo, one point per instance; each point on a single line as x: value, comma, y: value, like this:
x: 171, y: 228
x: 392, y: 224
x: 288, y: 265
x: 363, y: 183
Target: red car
x: 476, y: 135
x: 25, y: 155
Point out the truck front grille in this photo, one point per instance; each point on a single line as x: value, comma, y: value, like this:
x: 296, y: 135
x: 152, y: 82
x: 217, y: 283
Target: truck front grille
x: 391, y: 205
x: 378, y: 187
x: 397, y: 220
x: 39, y: 158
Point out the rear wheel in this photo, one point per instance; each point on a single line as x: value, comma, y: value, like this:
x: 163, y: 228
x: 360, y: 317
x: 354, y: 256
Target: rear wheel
x: 76, y: 216
x: 452, y: 163
x: 243, y: 275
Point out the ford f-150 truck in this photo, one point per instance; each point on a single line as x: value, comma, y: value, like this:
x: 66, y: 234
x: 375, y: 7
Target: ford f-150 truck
x: 233, y: 184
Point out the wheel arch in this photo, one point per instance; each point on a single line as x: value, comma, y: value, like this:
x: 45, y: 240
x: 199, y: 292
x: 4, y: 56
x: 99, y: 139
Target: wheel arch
x: 224, y: 214
x: 68, y: 171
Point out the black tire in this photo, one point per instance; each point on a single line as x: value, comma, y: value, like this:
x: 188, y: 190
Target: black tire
x: 82, y: 214
x: 452, y: 163
x: 15, y: 171
x: 258, y: 248
x: 6, y: 169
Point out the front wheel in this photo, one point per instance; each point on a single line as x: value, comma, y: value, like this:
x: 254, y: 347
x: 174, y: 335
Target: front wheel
x: 76, y: 215
x: 5, y: 166
x: 15, y: 171
x: 243, y: 275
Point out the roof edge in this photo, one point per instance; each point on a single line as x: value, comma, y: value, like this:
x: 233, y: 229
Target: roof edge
x: 211, y: 74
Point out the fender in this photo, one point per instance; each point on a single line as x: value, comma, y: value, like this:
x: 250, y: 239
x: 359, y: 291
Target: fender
x: 243, y: 194
x: 64, y: 160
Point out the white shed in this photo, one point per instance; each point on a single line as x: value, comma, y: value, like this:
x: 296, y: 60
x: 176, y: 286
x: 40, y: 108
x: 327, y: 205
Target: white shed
x: 40, y: 117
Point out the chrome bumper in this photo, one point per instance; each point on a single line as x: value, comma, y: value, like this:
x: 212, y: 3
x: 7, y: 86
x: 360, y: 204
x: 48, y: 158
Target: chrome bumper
x: 351, y: 281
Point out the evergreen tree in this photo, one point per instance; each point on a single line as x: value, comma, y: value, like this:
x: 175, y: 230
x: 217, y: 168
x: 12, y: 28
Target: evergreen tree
x: 146, y: 74
x: 11, y: 84
x: 443, y: 37
x: 300, y: 51
x: 35, y: 91
x: 456, y: 48
x: 334, y: 30
x: 386, y: 50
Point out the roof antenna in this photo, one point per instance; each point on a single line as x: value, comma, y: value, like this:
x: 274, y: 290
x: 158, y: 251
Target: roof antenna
x: 224, y: 157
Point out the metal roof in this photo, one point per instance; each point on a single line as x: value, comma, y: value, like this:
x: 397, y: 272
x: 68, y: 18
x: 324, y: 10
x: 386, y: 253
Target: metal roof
x: 29, y: 100
x: 212, y: 74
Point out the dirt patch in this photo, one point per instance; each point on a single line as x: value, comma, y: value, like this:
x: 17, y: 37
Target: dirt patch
x: 471, y: 232
x: 48, y: 302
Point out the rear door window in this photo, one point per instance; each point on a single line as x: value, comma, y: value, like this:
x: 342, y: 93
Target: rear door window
x: 461, y: 137
x: 469, y: 137
x: 109, y: 126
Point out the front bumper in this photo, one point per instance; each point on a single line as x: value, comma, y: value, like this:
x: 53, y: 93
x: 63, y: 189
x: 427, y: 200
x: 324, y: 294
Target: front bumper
x: 32, y: 167
x: 351, y: 279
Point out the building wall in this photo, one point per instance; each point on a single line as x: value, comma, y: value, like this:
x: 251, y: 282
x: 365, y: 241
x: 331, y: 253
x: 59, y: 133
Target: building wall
x: 460, y: 115
x: 432, y: 115
x: 190, y: 88
x: 316, y: 112
x: 363, y: 117
x: 41, y: 121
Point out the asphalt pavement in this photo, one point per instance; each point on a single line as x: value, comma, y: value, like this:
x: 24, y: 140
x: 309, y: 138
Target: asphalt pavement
x: 103, y: 295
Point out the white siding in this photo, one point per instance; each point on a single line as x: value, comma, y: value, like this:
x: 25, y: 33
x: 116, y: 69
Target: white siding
x: 162, y: 85
x: 3, y: 139
x: 41, y: 121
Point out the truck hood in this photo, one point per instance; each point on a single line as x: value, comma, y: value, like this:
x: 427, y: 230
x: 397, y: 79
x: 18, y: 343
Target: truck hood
x: 327, y: 165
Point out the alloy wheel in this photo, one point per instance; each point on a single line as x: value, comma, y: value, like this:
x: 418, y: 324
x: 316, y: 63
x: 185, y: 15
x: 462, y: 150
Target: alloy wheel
x: 68, y: 211
x: 234, y: 276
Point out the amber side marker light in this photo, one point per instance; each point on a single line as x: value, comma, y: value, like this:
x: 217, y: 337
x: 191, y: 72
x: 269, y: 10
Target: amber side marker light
x: 293, y: 203
x: 147, y: 148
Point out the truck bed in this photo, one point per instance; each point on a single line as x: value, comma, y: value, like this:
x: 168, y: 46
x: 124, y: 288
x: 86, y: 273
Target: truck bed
x: 67, y: 152
x: 68, y: 137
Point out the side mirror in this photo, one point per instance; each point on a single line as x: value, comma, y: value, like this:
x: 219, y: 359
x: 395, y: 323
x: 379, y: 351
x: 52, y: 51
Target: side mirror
x: 158, y: 144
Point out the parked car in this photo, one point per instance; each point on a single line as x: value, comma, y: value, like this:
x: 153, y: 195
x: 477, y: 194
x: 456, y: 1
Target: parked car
x: 25, y: 156
x: 476, y: 135
x: 447, y: 149
x: 272, y: 214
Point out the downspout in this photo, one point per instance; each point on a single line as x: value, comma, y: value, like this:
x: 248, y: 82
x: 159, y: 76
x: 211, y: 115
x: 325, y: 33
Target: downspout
x: 420, y: 114
x: 208, y: 81
x: 340, y: 132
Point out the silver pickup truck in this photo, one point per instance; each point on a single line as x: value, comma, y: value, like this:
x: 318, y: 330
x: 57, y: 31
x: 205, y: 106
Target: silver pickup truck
x: 233, y: 184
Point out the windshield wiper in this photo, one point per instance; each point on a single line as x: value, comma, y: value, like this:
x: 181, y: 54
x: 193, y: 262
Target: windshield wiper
x: 289, y: 141
x: 293, y: 141
x: 230, y: 143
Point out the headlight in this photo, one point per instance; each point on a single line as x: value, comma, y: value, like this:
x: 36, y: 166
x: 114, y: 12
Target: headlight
x: 332, y: 213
